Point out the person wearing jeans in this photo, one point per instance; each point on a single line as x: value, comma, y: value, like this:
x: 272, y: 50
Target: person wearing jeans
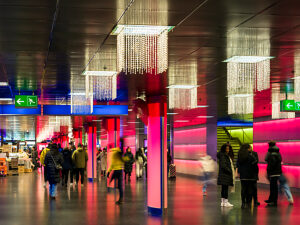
x: 274, y: 171
x: 225, y: 176
x: 80, y: 158
x: 283, y: 184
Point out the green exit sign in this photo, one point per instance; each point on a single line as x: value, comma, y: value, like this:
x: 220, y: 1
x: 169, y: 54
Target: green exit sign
x: 26, y: 101
x: 289, y: 106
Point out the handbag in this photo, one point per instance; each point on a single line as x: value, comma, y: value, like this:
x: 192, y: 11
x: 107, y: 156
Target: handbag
x: 57, y: 166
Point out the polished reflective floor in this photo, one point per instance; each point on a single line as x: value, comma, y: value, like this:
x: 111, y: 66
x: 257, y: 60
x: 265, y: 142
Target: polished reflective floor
x: 24, y: 200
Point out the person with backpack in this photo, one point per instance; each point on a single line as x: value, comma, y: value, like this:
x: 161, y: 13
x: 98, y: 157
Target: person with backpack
x: 128, y: 165
x: 42, y: 161
x: 80, y: 158
x: 67, y: 165
x: 273, y: 158
x: 140, y: 160
x: 53, y: 162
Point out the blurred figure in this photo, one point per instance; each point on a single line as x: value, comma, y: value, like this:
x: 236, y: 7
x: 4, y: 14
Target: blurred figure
x: 246, y: 169
x: 103, y: 158
x: 115, y: 170
x: 35, y: 157
x: 208, y: 166
x: 128, y: 164
x: 273, y: 158
x: 169, y: 161
x: 52, y: 161
x: 42, y: 160
x: 67, y: 165
x: 140, y: 158
x: 226, y: 173
x: 73, y: 169
x: 80, y: 158
x: 283, y: 184
x: 98, y: 157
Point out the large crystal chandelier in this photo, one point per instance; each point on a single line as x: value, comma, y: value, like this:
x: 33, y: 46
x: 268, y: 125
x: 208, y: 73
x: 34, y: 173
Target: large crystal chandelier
x: 101, y: 74
x: 142, y: 48
x: 248, y: 67
x: 183, y: 85
x: 142, y: 42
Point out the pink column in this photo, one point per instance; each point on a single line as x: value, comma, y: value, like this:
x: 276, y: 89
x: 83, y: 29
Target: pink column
x: 113, y: 139
x: 76, y: 137
x: 92, y: 151
x: 157, y: 156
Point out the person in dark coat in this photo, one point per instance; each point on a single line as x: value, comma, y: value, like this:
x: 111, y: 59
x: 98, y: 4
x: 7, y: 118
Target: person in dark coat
x: 67, y: 165
x: 225, y: 176
x: 246, y: 170
x: 35, y: 157
x: 256, y: 169
x: 129, y: 163
x: 273, y: 158
x: 52, y: 159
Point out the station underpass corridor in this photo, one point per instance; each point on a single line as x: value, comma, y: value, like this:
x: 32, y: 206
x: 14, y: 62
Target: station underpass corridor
x: 190, y: 99
x: 24, y: 201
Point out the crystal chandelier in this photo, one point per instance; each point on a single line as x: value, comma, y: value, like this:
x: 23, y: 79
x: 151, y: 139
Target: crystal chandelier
x: 240, y: 104
x: 142, y: 48
x: 183, y: 84
x: 101, y: 74
x: 80, y: 103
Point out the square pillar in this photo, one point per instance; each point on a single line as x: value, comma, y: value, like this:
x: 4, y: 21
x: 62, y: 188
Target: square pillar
x: 157, y: 156
x: 92, y: 151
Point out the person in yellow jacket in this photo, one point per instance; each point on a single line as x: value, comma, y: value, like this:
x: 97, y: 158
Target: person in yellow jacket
x: 115, y: 171
x: 42, y: 160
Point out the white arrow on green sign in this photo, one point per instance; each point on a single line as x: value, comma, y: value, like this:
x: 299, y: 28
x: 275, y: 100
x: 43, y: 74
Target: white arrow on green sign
x: 26, y: 101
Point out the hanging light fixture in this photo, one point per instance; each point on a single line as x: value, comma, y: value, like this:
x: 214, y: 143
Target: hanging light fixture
x: 183, y: 85
x: 101, y: 74
x: 142, y: 48
x: 248, y: 67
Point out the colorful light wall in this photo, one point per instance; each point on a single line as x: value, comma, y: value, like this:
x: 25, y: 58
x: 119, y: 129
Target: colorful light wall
x: 286, y: 132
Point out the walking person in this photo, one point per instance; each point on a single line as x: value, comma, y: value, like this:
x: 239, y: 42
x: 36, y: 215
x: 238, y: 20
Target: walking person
x: 35, y: 158
x: 115, y: 171
x: 42, y: 161
x: 226, y: 173
x: 80, y: 158
x: 208, y: 166
x: 67, y: 165
x: 246, y: 170
x: 283, y: 184
x: 140, y: 158
x: 128, y: 164
x: 53, y: 162
x: 73, y: 169
x: 103, y: 156
x: 273, y: 158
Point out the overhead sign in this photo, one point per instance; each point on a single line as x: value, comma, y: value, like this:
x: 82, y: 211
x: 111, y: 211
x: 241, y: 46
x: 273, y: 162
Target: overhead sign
x: 26, y: 101
x: 289, y: 106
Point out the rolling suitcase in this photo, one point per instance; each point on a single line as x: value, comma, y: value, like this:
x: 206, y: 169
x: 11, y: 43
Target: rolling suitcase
x: 172, y: 171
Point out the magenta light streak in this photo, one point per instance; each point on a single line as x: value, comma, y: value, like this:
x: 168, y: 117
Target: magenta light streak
x: 189, y: 151
x: 92, y: 162
x: 192, y: 167
x: 285, y: 129
x: 290, y: 151
x: 190, y: 136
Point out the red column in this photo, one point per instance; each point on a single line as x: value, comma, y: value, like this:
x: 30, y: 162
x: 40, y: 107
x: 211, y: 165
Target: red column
x: 92, y: 151
x: 157, y: 155
x: 76, y: 137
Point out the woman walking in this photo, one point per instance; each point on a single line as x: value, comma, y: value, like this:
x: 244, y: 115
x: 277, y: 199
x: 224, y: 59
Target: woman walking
x: 67, y: 165
x: 225, y: 177
x: 103, y: 158
x: 53, y: 162
x: 247, y: 171
x: 128, y: 164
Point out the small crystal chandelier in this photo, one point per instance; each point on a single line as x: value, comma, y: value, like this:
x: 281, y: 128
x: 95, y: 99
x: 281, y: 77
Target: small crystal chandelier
x: 240, y: 104
x: 142, y: 48
x: 80, y: 103
x: 101, y: 74
x: 183, y: 85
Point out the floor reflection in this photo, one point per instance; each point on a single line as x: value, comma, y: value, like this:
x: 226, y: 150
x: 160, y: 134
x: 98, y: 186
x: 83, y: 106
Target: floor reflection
x: 24, y: 200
